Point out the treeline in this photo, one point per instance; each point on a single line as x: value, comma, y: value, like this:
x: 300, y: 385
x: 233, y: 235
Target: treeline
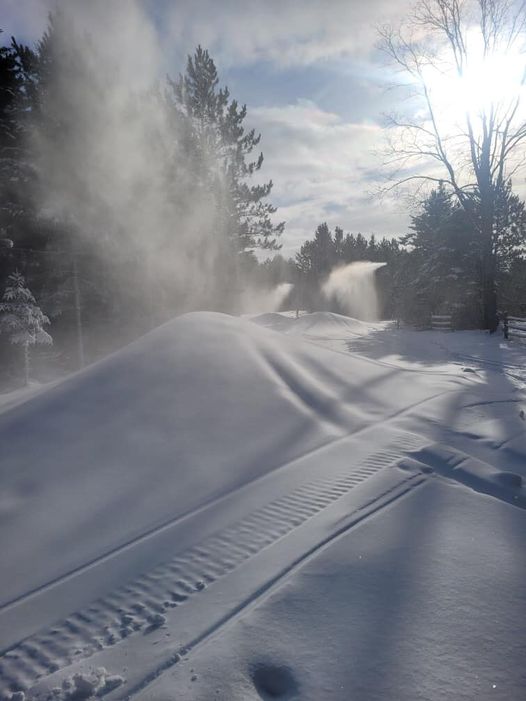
x: 435, y: 268
x: 327, y: 250
x: 124, y: 204
x: 446, y: 264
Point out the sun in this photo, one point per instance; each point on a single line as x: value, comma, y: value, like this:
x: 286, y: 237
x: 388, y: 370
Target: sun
x: 490, y: 78
x: 488, y: 81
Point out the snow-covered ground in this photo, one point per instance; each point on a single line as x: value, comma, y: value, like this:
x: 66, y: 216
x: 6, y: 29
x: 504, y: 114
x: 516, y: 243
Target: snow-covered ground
x: 406, y: 347
x: 312, y: 508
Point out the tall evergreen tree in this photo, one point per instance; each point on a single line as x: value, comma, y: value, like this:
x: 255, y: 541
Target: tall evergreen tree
x: 445, y: 256
x: 317, y: 256
x: 442, y: 274
x: 15, y: 175
x: 222, y: 155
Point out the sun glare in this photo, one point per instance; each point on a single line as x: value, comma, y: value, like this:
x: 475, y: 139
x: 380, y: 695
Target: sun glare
x: 488, y: 80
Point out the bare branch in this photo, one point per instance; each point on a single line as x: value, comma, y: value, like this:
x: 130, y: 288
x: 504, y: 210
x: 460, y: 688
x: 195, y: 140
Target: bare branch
x: 436, y: 37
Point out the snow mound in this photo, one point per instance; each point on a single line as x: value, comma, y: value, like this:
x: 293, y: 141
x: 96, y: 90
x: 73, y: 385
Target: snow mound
x: 274, y: 320
x: 194, y: 409
x: 327, y: 324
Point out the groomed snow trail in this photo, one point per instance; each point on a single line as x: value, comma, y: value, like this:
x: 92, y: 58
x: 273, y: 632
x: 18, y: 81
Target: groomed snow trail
x: 148, y: 602
x: 423, y: 600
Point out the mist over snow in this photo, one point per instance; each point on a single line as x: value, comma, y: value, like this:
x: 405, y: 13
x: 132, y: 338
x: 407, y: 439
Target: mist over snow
x: 108, y: 180
x: 125, y: 181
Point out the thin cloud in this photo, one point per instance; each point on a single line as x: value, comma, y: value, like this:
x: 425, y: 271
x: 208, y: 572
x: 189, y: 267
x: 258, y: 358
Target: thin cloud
x: 322, y: 167
x: 286, y: 32
x: 322, y: 164
x: 25, y: 19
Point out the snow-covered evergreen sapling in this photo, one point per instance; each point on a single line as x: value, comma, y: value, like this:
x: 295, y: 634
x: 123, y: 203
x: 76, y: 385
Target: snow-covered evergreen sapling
x: 21, y: 319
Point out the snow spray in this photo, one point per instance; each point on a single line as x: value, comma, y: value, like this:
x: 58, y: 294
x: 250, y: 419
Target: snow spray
x: 353, y: 286
x: 254, y: 301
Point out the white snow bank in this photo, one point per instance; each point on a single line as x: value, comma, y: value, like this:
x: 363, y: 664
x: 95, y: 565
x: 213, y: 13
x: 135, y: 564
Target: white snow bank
x: 274, y: 320
x: 475, y: 351
x: 327, y: 324
x: 206, y: 404
x: 192, y: 410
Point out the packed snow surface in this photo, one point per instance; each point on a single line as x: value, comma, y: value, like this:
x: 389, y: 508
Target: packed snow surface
x: 190, y: 411
x: 348, y: 496
x: 424, y: 601
x: 322, y: 324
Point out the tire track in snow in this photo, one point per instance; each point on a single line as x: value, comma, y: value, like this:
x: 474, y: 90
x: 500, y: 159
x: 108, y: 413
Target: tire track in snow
x: 202, y: 508
x: 140, y: 605
x: 383, y: 500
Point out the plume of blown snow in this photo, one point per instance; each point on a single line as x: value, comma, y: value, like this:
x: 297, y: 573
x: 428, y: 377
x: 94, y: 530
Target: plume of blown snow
x: 353, y: 286
x: 254, y: 301
x: 123, y: 182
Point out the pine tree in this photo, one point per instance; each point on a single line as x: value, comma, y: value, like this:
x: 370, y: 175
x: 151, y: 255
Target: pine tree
x: 15, y: 175
x: 443, y: 271
x: 314, y: 262
x: 318, y: 255
x: 221, y: 151
x: 21, y: 319
x: 338, y: 243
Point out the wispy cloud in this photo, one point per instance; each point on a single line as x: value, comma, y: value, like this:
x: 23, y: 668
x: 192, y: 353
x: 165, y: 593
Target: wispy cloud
x: 319, y: 142
x: 286, y: 32
x: 26, y: 19
x: 322, y: 167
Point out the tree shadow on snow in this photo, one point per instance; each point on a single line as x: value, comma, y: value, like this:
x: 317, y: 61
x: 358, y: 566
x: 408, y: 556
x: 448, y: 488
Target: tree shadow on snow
x: 482, y: 422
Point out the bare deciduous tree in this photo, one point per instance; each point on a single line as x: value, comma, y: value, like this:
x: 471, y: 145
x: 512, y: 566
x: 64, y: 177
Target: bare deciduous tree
x: 463, y: 64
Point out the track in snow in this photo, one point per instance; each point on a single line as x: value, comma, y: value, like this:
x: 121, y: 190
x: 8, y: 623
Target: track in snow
x: 142, y: 605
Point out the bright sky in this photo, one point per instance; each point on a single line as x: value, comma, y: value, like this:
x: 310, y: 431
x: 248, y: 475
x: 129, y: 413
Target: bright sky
x: 314, y: 85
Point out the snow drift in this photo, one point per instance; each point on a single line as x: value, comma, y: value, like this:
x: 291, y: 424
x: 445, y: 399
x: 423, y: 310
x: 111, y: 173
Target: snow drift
x: 326, y: 324
x: 190, y: 411
x: 359, y: 481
